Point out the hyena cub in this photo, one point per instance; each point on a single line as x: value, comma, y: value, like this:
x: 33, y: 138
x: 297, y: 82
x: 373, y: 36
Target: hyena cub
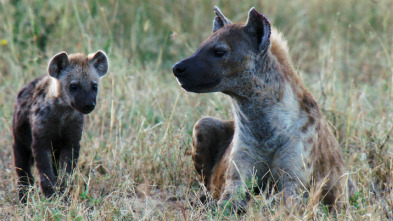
x: 48, y: 120
x: 278, y: 135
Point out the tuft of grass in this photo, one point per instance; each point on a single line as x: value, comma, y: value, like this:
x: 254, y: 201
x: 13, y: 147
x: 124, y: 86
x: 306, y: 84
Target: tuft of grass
x: 134, y: 163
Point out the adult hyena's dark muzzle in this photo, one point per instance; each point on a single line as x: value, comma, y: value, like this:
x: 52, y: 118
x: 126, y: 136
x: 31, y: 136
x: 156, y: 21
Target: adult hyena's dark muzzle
x: 195, y: 74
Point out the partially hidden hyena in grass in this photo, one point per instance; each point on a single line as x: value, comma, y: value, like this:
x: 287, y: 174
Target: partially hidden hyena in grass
x: 48, y: 120
x: 278, y: 134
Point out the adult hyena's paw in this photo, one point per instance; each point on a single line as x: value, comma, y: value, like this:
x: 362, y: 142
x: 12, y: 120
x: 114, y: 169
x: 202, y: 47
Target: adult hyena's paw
x: 231, y: 206
x: 234, y: 203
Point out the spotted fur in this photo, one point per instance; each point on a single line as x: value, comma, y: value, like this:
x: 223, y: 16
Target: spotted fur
x: 48, y: 119
x: 278, y: 135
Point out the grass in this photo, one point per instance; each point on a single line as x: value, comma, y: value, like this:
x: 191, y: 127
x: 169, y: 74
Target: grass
x: 134, y: 162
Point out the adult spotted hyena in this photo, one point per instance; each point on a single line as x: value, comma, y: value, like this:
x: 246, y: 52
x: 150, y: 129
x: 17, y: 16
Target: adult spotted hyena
x: 48, y: 120
x: 278, y: 134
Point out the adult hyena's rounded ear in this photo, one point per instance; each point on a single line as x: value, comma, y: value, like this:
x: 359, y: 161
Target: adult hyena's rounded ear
x: 257, y: 25
x: 58, y: 63
x: 100, y: 63
x: 220, y: 20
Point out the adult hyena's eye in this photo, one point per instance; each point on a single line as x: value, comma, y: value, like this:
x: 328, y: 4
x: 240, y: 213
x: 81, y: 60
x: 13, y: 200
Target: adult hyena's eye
x: 219, y: 53
x: 73, y: 87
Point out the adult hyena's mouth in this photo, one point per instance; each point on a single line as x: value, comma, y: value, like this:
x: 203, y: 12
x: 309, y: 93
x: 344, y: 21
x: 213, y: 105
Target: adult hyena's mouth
x: 198, y: 86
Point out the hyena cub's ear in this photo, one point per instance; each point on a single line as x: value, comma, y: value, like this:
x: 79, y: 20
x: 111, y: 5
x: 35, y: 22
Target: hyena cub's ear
x: 220, y: 20
x: 100, y: 63
x: 257, y: 25
x: 58, y: 63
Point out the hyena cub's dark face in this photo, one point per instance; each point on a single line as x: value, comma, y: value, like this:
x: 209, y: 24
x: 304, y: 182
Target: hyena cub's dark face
x: 227, y: 55
x: 77, y: 78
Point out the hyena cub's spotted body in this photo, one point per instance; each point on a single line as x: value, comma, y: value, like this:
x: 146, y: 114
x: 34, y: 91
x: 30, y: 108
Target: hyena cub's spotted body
x: 279, y: 134
x: 48, y: 120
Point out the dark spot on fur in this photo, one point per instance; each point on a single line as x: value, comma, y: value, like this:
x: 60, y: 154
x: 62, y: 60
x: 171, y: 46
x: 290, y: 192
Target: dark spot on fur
x: 307, y: 103
x: 40, y: 92
x: 309, y: 123
x: 23, y: 105
x: 21, y: 93
x: 42, y: 111
x: 35, y: 81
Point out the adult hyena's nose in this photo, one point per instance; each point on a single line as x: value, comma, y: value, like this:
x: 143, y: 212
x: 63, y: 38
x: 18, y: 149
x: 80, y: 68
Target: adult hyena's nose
x: 179, y: 69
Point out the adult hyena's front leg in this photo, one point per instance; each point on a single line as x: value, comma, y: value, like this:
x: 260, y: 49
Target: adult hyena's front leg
x: 246, y: 172
x: 292, y: 172
x: 210, y: 139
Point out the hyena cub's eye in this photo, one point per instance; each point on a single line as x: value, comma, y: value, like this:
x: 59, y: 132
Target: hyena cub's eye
x: 73, y: 87
x: 94, y: 87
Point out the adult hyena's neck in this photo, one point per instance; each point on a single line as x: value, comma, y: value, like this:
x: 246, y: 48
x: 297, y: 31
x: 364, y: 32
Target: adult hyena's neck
x: 273, y: 107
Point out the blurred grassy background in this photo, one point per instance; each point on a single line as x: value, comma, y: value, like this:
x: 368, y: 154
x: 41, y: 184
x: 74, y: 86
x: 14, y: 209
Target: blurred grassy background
x: 134, y: 150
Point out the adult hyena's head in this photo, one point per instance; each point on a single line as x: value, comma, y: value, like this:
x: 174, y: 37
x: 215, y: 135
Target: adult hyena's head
x: 75, y: 78
x: 227, y: 57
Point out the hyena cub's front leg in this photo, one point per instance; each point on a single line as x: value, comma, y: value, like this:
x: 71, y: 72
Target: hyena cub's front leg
x: 68, y: 160
x: 69, y: 150
x: 42, y: 152
x: 55, y: 160
x: 210, y: 140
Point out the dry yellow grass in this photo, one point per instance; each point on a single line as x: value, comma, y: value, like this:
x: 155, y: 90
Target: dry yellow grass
x: 134, y: 163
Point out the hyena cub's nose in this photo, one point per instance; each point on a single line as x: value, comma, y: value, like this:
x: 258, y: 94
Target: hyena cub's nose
x: 179, y: 69
x: 89, y: 107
